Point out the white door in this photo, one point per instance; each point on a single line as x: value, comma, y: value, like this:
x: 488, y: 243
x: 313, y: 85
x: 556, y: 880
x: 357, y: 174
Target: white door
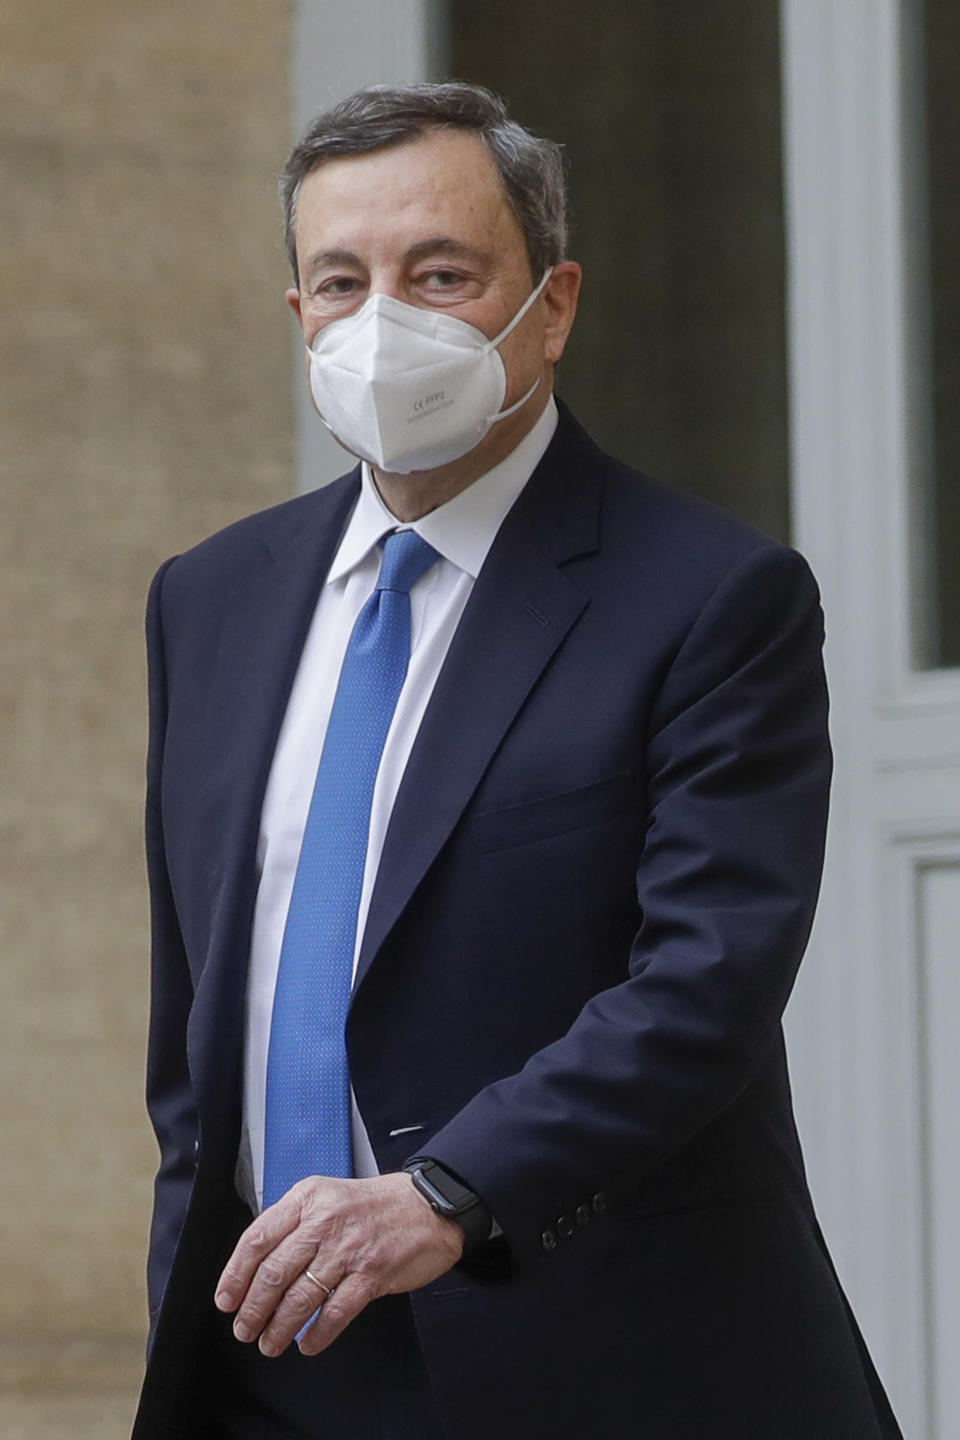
x: 874, y: 1028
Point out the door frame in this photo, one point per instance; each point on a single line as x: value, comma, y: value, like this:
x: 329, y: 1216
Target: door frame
x: 869, y: 1080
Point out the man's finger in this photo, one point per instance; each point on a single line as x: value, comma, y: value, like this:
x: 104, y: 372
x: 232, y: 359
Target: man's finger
x: 300, y: 1305
x: 277, y: 1272
x: 352, y: 1295
x: 256, y: 1243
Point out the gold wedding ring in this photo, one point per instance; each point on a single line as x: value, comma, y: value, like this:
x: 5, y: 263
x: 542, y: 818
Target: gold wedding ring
x: 319, y: 1284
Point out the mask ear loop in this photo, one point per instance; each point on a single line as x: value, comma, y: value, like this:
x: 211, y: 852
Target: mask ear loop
x: 512, y: 325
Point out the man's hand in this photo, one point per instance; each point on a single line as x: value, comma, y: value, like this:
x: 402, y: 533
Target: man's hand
x: 361, y: 1238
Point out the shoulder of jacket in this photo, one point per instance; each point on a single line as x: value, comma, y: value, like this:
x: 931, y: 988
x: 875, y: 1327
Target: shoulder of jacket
x: 224, y: 558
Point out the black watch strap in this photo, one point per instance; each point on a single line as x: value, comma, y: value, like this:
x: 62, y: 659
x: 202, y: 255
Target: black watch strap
x: 449, y: 1197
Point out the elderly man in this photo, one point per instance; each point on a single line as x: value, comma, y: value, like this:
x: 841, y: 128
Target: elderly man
x: 486, y: 810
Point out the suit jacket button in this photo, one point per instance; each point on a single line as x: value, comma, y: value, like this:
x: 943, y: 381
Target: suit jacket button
x: 548, y: 1240
x: 599, y: 1203
x: 584, y: 1214
x: 564, y: 1227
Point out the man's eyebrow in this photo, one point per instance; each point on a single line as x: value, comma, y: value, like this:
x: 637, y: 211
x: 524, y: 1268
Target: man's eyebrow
x: 332, y: 257
x: 447, y: 245
x: 435, y: 245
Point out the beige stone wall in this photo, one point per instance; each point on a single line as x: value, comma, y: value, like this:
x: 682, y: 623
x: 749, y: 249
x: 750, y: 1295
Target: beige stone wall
x: 145, y: 401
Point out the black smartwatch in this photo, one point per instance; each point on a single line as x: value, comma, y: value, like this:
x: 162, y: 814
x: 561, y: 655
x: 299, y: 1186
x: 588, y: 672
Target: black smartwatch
x: 450, y: 1198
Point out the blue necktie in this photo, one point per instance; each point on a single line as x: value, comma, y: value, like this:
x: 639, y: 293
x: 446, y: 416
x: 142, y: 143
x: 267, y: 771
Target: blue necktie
x: 308, y: 1085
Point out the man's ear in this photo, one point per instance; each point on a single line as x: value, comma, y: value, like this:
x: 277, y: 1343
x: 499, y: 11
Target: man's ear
x: 292, y: 297
x: 561, y: 293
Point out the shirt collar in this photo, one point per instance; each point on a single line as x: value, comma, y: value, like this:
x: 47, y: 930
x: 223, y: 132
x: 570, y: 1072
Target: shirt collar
x: 463, y: 529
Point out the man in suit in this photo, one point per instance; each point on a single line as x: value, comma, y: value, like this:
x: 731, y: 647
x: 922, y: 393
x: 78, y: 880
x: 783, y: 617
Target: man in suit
x: 487, y: 793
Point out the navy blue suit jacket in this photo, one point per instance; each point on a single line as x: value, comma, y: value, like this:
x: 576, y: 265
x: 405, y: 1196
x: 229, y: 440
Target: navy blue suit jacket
x: 596, y: 888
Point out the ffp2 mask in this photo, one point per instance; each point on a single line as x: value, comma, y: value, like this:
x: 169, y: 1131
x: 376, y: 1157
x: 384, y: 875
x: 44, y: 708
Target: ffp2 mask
x: 406, y: 388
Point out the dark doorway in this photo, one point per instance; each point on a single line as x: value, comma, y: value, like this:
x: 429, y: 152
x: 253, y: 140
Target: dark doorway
x: 941, y: 57
x: 670, y: 115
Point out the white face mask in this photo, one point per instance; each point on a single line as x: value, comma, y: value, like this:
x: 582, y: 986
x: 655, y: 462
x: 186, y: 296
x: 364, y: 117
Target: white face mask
x: 410, y: 389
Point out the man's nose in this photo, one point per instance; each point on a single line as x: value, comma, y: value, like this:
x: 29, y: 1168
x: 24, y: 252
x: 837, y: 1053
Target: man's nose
x: 387, y: 282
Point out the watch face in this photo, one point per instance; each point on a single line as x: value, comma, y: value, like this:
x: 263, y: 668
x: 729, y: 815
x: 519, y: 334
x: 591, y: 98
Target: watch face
x: 454, y: 1201
x: 438, y: 1200
x: 445, y: 1193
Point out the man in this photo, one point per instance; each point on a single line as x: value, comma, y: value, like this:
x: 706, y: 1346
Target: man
x: 487, y: 798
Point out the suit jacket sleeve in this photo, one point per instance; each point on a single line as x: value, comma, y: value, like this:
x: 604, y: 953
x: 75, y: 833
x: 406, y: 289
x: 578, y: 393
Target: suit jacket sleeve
x: 170, y: 1098
x: 737, y: 770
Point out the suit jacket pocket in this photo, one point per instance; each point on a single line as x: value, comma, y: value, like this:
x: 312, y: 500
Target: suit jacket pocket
x: 556, y: 814
x: 639, y: 1212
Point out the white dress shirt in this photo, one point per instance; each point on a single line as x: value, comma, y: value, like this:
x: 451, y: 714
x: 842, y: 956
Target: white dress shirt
x: 461, y: 531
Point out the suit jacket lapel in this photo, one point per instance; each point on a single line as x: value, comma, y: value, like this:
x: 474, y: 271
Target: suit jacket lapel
x: 521, y: 608
x: 264, y: 626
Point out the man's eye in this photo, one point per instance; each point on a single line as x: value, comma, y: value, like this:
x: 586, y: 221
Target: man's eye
x: 443, y: 279
x: 338, y: 285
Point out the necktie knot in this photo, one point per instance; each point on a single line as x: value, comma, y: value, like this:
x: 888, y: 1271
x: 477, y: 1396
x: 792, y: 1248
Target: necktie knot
x: 406, y: 556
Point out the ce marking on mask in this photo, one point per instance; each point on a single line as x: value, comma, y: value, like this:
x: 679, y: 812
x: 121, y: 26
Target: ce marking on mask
x: 429, y: 405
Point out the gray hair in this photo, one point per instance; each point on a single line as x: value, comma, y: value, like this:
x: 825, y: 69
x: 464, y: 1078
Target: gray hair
x: 531, y: 169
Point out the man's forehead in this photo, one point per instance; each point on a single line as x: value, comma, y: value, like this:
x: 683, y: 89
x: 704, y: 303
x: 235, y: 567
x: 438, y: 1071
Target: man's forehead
x: 442, y: 167
x: 441, y: 191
